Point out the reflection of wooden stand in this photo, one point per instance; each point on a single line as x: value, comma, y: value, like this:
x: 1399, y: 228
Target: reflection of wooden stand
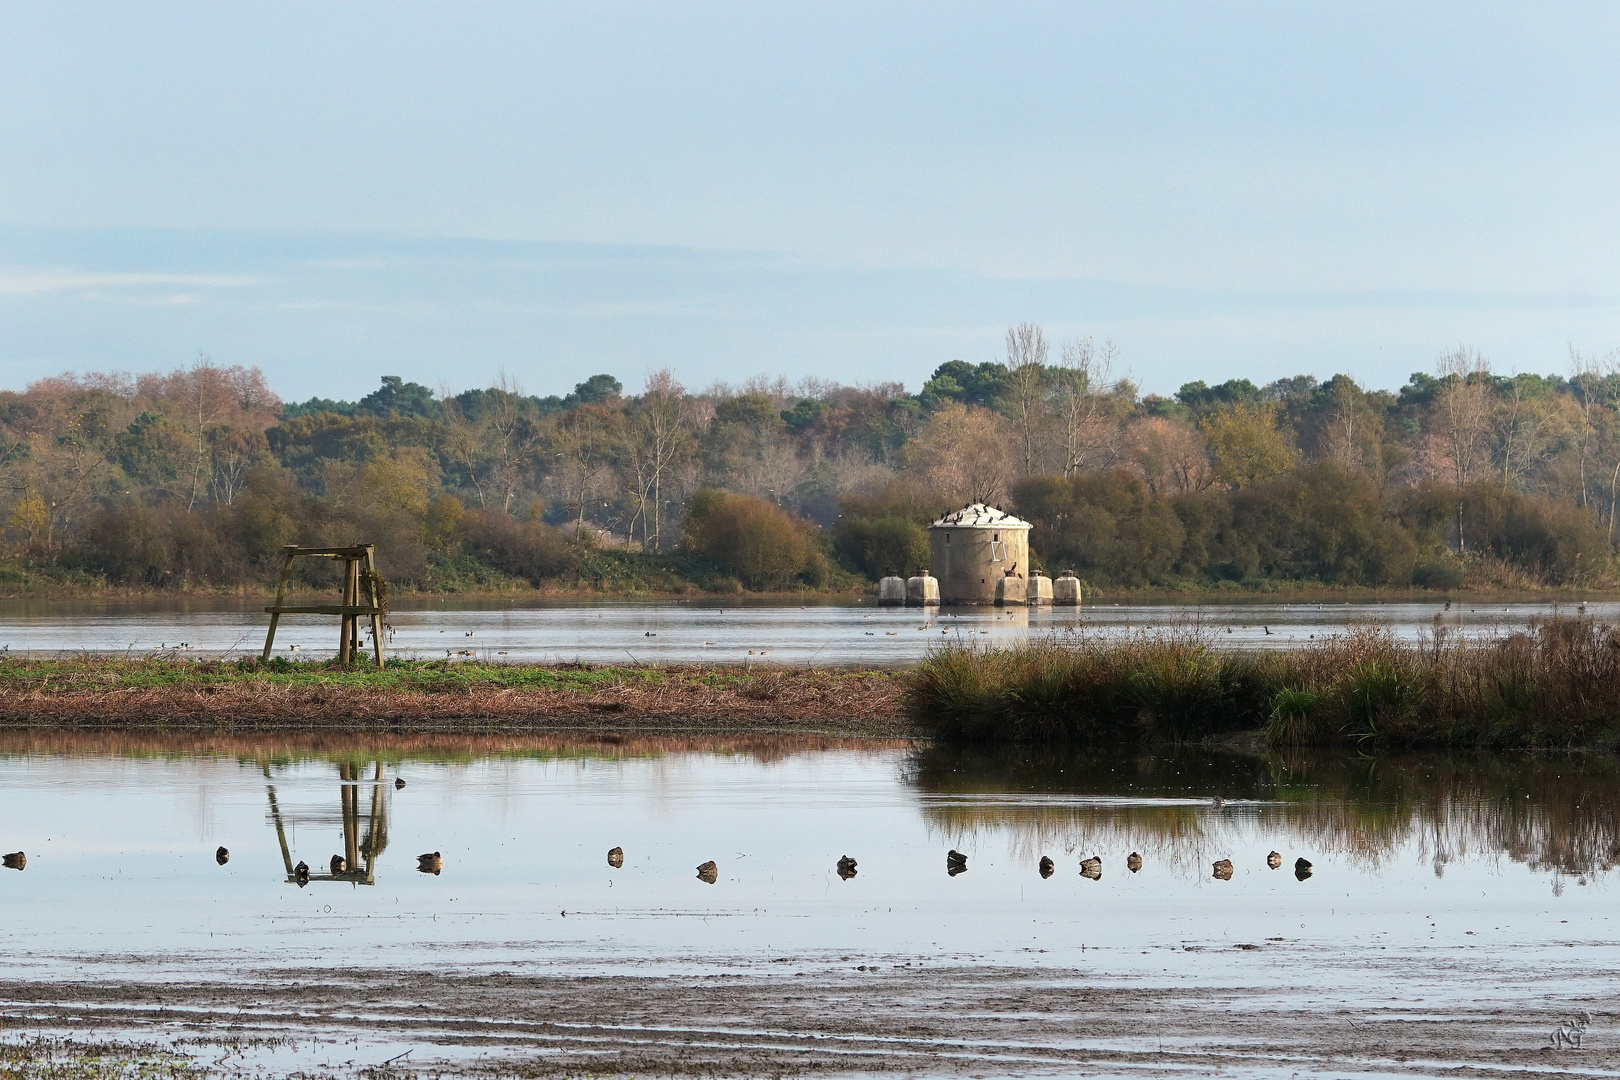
x: 359, y: 854
x: 349, y: 645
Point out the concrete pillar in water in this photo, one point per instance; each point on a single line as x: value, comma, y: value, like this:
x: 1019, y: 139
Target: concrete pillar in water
x: 892, y: 591
x: 1040, y: 589
x: 1011, y: 592
x: 922, y: 590
x: 1066, y: 590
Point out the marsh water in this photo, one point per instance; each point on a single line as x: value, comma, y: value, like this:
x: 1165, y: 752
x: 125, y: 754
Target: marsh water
x: 714, y: 631
x: 1447, y: 881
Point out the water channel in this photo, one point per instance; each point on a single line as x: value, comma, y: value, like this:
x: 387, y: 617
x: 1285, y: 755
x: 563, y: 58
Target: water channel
x: 711, y: 631
x: 1438, y: 887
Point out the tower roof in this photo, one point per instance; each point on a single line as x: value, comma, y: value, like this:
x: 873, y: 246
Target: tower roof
x: 979, y: 516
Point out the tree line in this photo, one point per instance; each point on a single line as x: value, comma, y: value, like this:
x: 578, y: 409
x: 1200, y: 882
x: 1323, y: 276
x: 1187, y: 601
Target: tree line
x: 196, y: 478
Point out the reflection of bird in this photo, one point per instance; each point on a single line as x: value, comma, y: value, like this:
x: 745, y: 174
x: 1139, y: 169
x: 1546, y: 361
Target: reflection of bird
x: 301, y: 873
x: 222, y: 856
x: 1223, y: 870
x: 1274, y: 860
x: 708, y: 872
x: 15, y: 861
x: 338, y: 864
x: 616, y: 857
x: 431, y: 863
x: 1133, y: 862
x: 1091, y: 868
x: 1047, y: 866
x: 846, y: 867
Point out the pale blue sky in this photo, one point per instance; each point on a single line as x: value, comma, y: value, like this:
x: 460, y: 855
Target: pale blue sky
x: 856, y: 192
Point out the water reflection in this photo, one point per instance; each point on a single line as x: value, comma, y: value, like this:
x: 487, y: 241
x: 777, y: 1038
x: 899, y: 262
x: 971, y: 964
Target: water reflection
x: 1552, y: 812
x: 357, y: 864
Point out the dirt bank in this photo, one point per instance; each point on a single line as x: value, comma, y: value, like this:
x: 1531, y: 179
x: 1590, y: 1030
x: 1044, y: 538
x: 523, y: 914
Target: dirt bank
x: 104, y: 695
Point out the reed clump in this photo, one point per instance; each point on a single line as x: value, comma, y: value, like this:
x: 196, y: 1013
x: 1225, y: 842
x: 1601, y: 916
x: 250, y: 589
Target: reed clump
x: 1557, y: 684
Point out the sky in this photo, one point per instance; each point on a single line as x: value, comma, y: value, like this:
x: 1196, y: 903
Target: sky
x: 853, y: 192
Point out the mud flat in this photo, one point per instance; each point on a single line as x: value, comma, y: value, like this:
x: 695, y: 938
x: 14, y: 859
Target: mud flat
x: 1454, y: 1015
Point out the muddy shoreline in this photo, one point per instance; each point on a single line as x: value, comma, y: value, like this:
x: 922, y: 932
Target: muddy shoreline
x: 807, y: 1018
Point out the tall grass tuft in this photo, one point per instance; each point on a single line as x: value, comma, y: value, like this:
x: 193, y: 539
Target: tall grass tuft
x: 1556, y: 684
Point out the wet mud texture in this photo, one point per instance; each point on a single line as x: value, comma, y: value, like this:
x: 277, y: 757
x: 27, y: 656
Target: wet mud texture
x: 891, y: 1018
x: 776, y: 701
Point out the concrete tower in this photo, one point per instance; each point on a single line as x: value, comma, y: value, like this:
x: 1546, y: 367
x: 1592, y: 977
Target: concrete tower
x: 972, y: 547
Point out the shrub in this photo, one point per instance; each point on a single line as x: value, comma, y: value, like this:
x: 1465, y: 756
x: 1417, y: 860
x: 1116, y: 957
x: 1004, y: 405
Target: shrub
x: 525, y: 548
x: 764, y: 545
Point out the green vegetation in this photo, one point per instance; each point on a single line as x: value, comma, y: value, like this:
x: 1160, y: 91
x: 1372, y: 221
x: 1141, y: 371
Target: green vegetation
x: 1556, y: 686
x: 193, y: 481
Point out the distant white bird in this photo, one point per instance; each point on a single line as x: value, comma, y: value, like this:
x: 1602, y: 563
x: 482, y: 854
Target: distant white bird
x: 294, y: 648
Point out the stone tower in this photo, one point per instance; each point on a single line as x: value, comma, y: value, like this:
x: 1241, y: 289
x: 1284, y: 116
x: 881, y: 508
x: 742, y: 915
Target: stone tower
x: 971, y: 548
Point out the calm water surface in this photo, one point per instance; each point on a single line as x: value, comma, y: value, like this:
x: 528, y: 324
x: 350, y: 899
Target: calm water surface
x: 708, y: 631
x: 1435, y: 858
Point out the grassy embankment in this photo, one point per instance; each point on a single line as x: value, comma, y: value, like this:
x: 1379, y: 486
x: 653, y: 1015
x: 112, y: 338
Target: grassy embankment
x: 436, y: 696
x: 1556, y: 686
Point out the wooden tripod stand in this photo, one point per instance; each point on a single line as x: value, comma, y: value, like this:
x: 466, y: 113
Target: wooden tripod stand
x: 350, y: 646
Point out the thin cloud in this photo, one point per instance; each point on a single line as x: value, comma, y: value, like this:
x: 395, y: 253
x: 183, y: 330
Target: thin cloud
x: 35, y: 282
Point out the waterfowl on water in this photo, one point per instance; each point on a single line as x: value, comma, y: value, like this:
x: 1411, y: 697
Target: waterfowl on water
x: 221, y: 855
x: 399, y: 782
x: 15, y: 861
x: 1223, y: 870
x: 1133, y: 862
x: 431, y: 863
x: 1274, y: 860
x: 338, y: 864
x: 955, y: 862
x: 708, y: 872
x: 846, y: 867
x: 1302, y: 869
x: 301, y: 873
x: 1091, y: 868
x: 1047, y: 866
x: 616, y: 857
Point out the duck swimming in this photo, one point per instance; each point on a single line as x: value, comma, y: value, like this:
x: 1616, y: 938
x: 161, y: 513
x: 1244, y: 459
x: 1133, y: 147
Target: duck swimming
x: 15, y: 861
x: 616, y: 857
x: 301, y: 873
x: 399, y: 782
x: 1302, y: 869
x: 846, y: 867
x: 431, y: 863
x: 708, y: 872
x: 222, y: 856
x: 1091, y: 868
x: 1223, y: 870
x: 1133, y: 862
x: 338, y: 864
x: 1274, y: 860
x: 955, y: 862
x: 1047, y: 866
